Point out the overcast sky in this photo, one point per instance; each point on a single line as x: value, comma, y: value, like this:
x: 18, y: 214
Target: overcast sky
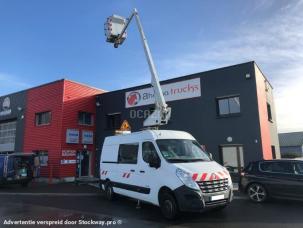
x: 41, y: 41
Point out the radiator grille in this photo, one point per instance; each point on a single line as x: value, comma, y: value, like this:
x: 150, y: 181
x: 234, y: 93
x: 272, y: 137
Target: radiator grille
x: 213, y: 186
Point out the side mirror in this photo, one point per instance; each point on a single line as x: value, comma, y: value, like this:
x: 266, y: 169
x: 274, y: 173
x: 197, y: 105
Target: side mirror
x: 211, y: 156
x: 154, y: 161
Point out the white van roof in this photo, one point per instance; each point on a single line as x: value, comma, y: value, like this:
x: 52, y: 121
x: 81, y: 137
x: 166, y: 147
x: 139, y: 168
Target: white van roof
x: 147, y: 135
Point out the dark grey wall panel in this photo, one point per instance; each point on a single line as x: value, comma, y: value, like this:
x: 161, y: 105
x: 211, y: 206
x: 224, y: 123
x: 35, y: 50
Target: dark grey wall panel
x: 17, y: 107
x: 198, y: 116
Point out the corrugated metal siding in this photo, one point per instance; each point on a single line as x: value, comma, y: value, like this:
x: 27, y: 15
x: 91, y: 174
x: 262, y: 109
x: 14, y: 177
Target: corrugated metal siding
x: 77, y: 97
x: 291, y: 139
x: 48, y: 137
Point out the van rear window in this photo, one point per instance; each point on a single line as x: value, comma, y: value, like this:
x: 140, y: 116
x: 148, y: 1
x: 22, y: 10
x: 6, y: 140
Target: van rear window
x: 128, y: 153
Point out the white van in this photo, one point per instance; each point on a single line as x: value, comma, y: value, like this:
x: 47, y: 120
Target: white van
x: 166, y: 168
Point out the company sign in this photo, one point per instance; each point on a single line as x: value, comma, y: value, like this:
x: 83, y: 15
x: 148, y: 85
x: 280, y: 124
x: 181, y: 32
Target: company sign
x: 72, y: 136
x: 87, y: 137
x: 6, y: 110
x: 67, y: 162
x: 173, y: 91
x: 66, y: 153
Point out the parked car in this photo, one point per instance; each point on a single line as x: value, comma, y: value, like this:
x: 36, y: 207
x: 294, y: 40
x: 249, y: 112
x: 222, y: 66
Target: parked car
x: 166, y: 168
x: 16, y: 168
x: 283, y: 178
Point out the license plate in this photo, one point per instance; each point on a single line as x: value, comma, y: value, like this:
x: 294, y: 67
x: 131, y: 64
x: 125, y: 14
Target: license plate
x: 218, y: 197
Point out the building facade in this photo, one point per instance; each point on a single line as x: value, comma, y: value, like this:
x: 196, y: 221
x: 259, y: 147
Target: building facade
x: 291, y: 144
x: 230, y: 111
x: 56, y: 121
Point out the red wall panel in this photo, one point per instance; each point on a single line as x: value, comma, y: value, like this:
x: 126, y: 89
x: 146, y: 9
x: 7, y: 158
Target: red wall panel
x: 77, y: 97
x: 64, y: 99
x: 48, y: 97
x: 263, y: 116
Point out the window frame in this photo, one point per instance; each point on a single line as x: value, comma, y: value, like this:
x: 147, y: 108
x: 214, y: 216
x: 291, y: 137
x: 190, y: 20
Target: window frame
x: 229, y: 114
x: 154, y: 148
x: 127, y: 163
x: 41, y: 113
x: 260, y: 169
x: 269, y: 112
x: 107, y: 121
x: 42, y: 153
x: 91, y: 118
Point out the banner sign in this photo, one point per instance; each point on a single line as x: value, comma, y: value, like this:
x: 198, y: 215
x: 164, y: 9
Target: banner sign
x: 87, y: 137
x: 172, y: 91
x: 72, y: 136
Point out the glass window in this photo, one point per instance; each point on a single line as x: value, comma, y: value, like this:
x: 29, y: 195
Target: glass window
x: 229, y: 105
x: 128, y: 153
x: 43, y: 157
x: 277, y: 167
x: 181, y: 150
x: 148, y: 150
x: 85, y: 118
x: 113, y: 121
x: 43, y: 118
x: 299, y: 168
x: 223, y: 107
x: 269, y: 112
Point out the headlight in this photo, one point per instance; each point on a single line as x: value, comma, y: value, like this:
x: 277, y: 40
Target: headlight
x: 186, y: 179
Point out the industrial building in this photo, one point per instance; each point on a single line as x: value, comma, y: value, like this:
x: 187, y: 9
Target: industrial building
x: 291, y: 144
x: 230, y: 111
x: 56, y: 121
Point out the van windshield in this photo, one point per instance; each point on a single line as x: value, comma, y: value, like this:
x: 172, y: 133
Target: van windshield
x: 181, y: 150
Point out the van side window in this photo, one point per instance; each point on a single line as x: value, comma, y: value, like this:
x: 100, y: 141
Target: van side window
x: 148, y: 149
x: 128, y: 153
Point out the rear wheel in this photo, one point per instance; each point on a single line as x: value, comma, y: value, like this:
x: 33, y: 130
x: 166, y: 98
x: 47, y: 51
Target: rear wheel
x: 168, y: 205
x: 109, y: 192
x: 257, y: 193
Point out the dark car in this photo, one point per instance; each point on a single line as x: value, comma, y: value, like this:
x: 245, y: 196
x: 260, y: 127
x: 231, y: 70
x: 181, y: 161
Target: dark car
x: 261, y: 180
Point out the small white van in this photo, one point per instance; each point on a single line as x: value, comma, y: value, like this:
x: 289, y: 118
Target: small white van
x: 166, y: 168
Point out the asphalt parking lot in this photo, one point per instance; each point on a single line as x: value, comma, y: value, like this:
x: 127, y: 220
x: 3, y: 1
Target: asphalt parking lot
x: 68, y: 202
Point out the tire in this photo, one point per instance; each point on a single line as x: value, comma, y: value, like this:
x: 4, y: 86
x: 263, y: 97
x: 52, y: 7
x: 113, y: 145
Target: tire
x: 168, y: 206
x: 109, y: 192
x: 257, y: 193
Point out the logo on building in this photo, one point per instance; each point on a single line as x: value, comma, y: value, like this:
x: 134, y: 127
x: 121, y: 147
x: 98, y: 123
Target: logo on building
x: 173, y: 91
x: 133, y: 98
x: 6, y: 104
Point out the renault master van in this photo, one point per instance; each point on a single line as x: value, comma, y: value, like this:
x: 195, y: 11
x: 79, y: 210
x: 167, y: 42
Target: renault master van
x: 166, y: 168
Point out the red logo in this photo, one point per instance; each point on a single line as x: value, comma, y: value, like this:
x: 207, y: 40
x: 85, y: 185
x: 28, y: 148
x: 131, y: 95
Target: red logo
x: 133, y: 98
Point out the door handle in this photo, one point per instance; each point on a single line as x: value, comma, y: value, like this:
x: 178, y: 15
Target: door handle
x: 132, y: 170
x: 142, y: 171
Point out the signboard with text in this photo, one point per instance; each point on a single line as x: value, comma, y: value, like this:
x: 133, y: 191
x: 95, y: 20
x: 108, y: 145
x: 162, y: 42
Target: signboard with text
x: 172, y: 91
x: 72, y: 136
x: 87, y: 137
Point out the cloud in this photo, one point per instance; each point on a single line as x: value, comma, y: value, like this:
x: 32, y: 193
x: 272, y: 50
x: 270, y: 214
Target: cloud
x: 10, y: 83
x: 276, y: 45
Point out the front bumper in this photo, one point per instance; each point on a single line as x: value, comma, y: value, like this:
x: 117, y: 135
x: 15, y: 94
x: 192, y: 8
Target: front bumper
x: 193, y: 200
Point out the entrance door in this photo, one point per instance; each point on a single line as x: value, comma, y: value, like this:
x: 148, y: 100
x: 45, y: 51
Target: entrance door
x: 83, y: 162
x: 232, y: 159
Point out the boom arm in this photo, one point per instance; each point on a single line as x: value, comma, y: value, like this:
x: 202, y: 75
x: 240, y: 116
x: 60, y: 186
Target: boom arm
x: 162, y: 112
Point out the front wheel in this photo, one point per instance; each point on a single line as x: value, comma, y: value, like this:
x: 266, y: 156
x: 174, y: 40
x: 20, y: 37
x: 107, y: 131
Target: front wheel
x: 168, y: 205
x: 257, y: 193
